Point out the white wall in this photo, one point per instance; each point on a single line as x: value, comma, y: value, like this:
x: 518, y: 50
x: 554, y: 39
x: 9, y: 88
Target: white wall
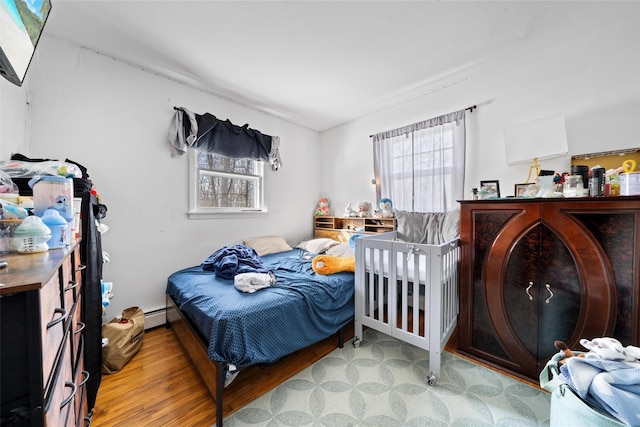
x: 113, y: 119
x: 594, y: 81
x: 14, y: 119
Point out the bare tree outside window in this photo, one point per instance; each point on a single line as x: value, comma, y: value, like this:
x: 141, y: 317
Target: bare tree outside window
x: 227, y: 183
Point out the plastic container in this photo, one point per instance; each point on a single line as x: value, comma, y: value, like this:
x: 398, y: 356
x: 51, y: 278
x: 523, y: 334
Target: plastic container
x: 573, y: 186
x: 630, y: 184
x: 31, y: 236
x: 59, y: 229
x: 52, y: 192
x: 583, y: 171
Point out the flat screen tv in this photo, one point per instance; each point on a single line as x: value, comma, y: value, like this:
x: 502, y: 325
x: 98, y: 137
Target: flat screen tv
x: 21, y: 24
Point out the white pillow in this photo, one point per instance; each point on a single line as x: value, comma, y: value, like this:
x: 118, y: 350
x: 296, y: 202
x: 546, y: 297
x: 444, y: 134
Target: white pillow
x: 266, y: 245
x: 318, y: 246
x: 341, y: 249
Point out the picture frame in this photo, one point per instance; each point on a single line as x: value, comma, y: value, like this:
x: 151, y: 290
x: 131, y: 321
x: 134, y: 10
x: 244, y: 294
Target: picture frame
x: 520, y: 189
x: 492, y: 186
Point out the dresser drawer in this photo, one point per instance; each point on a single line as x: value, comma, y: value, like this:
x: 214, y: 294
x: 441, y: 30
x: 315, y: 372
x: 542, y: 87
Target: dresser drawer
x: 60, y: 408
x: 53, y: 322
x: 43, y: 353
x: 81, y: 376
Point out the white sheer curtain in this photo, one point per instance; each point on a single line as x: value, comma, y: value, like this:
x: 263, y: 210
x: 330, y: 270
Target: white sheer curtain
x: 420, y: 167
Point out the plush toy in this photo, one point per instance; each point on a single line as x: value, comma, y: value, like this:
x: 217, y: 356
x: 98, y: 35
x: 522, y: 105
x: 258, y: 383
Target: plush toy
x: 606, y: 348
x: 329, y: 264
x: 364, y: 210
x: 386, y: 208
x: 348, y: 211
x: 559, y: 178
x: 323, y: 207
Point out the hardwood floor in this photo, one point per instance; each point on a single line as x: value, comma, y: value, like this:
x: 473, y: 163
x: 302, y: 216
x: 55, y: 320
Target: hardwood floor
x: 158, y: 387
x: 161, y: 387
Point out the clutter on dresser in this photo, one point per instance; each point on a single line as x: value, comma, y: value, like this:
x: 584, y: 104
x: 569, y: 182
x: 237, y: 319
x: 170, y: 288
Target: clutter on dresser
x: 79, y: 203
x: 31, y: 236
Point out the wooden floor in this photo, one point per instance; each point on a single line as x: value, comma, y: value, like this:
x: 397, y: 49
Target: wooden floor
x: 160, y: 386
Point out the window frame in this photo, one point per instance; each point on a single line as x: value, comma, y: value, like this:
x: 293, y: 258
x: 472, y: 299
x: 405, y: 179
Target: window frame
x: 197, y: 212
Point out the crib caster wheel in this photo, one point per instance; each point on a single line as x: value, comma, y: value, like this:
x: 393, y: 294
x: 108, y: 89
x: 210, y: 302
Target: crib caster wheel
x: 356, y: 343
x: 431, y: 379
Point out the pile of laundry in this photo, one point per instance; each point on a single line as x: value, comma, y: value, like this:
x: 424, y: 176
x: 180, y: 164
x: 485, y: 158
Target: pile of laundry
x: 242, y: 264
x: 607, y: 376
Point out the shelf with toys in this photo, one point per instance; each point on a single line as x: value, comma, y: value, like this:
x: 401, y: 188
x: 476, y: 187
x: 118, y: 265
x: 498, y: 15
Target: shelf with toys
x: 363, y: 221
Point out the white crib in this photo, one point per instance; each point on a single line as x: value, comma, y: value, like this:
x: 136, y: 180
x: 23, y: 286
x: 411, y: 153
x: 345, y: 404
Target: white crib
x: 387, y: 271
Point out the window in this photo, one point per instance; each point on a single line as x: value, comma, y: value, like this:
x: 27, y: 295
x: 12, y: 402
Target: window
x: 221, y: 184
x: 421, y: 167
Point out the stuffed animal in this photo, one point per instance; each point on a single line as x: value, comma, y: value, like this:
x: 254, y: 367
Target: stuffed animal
x: 349, y: 212
x: 364, y: 210
x: 386, y: 208
x: 323, y: 207
x: 329, y: 264
x: 606, y: 348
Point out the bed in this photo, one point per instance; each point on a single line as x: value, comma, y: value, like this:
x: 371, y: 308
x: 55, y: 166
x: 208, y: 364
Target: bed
x: 226, y: 331
x: 408, y: 289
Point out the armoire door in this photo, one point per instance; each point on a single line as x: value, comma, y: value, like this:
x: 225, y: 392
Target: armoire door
x: 542, y: 296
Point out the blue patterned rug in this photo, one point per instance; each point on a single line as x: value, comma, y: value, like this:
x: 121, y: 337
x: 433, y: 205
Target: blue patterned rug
x: 382, y: 383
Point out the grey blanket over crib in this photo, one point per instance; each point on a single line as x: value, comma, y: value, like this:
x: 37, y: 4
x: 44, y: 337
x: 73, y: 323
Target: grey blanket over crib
x: 431, y: 228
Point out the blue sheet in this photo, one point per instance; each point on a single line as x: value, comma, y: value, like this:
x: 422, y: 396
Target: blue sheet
x: 300, y: 309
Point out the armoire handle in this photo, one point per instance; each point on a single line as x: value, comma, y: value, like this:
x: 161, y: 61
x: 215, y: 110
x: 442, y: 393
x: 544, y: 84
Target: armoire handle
x: 550, y: 293
x: 527, y: 291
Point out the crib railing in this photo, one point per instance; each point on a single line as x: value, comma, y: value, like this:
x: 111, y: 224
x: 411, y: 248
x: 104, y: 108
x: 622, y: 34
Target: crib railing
x: 407, y: 290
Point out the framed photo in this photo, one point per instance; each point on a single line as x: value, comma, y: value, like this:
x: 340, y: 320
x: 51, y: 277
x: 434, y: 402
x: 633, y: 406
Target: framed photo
x: 491, y: 187
x: 520, y: 189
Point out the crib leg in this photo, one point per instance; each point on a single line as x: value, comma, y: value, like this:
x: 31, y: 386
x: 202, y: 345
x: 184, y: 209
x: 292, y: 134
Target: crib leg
x: 356, y: 342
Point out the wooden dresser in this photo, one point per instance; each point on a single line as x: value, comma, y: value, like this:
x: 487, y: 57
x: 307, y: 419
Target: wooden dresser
x: 42, y: 339
x: 538, y: 270
x: 342, y: 228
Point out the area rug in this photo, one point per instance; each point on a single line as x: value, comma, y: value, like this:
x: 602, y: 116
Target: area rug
x: 383, y: 383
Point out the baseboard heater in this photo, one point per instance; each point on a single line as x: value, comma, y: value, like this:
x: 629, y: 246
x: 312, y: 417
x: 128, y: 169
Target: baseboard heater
x: 155, y: 318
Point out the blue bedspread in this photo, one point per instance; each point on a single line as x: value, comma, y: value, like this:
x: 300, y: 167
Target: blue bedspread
x: 301, y: 308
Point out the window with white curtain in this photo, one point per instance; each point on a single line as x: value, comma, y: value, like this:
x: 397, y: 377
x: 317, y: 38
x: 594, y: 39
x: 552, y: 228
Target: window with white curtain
x: 420, y: 167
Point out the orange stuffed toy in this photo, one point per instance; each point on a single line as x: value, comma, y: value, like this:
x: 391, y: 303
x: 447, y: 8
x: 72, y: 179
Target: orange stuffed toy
x: 328, y: 264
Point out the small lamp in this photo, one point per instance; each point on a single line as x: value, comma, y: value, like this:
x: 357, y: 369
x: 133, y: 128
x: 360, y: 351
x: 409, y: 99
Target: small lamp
x: 541, y: 139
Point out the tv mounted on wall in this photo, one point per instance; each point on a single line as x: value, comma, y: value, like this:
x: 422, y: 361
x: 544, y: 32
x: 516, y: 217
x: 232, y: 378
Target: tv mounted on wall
x: 21, y: 24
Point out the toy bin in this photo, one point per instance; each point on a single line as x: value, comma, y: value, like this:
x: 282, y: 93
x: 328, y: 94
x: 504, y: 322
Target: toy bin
x: 567, y: 408
x: 54, y: 192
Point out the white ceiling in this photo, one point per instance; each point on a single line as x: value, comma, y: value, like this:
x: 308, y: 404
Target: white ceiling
x: 322, y: 63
